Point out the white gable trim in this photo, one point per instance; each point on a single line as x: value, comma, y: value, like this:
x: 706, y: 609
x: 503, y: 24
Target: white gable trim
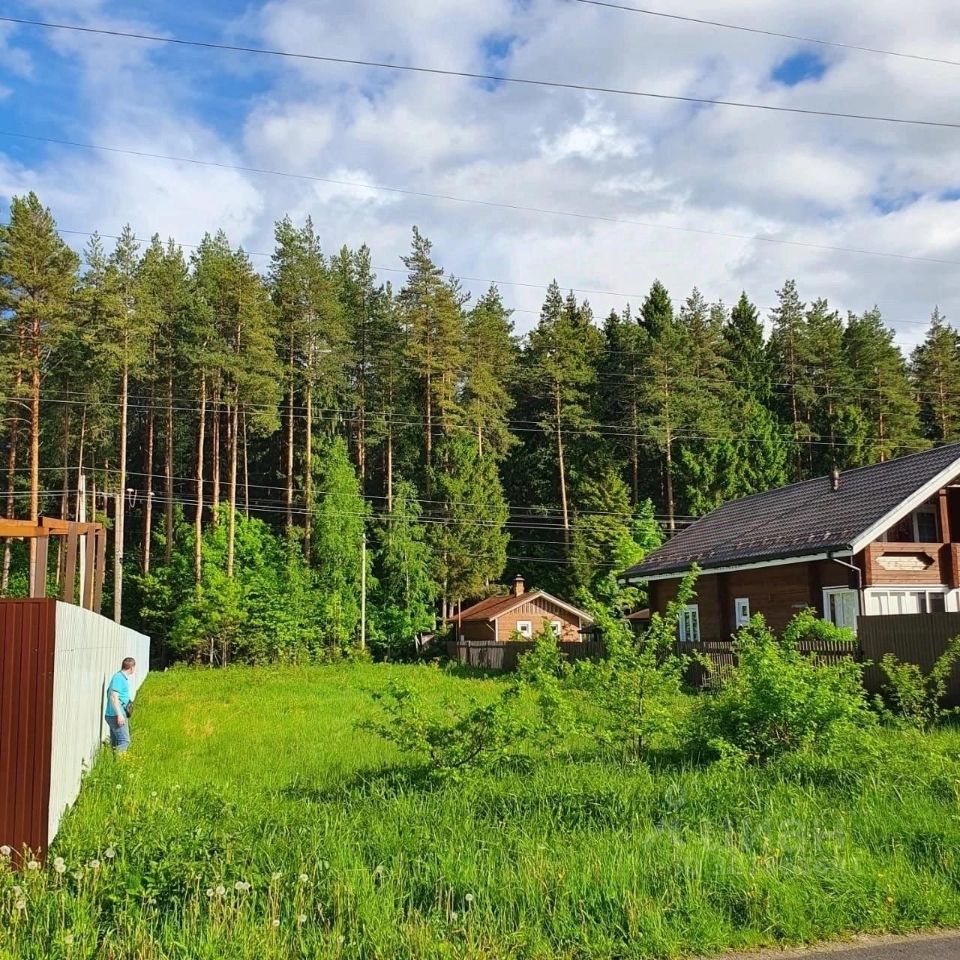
x: 911, y: 503
x: 537, y: 595
x: 732, y: 568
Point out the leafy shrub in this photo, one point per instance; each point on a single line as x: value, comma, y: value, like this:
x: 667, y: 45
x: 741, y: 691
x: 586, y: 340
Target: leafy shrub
x: 777, y: 699
x: 635, y: 692
x: 914, y: 698
x: 806, y: 625
x: 450, y: 737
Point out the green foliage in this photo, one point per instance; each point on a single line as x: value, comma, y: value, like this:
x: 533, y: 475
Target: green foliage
x: 453, y: 736
x: 635, y: 692
x: 915, y: 698
x: 807, y: 626
x: 777, y: 699
x: 268, y: 611
x: 339, y: 523
x: 405, y: 590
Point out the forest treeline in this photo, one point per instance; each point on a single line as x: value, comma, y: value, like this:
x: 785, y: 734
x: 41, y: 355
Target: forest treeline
x: 260, y: 443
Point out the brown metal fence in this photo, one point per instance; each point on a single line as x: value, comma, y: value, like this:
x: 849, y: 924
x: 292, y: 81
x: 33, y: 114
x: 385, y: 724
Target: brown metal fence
x: 27, y: 636
x: 504, y: 656
x: 913, y: 638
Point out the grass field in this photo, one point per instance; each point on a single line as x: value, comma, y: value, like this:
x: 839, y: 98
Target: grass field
x: 260, y: 777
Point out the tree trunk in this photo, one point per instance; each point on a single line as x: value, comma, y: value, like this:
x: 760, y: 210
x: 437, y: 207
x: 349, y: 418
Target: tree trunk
x: 308, y: 475
x: 635, y: 454
x: 64, y: 490
x: 148, y: 492
x: 671, y: 509
x: 168, y: 471
x: 232, y: 440
x: 563, y: 475
x: 12, y: 472
x: 34, y: 443
x: 428, y: 435
x: 118, y: 535
x: 215, y: 454
x: 389, y: 467
x: 198, y: 515
x: 290, y: 414
x: 83, y: 438
x: 246, y: 470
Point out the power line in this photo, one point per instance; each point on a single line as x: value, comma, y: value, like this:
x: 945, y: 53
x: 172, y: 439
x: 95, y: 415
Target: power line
x: 469, y: 75
x: 772, y: 33
x: 517, y: 207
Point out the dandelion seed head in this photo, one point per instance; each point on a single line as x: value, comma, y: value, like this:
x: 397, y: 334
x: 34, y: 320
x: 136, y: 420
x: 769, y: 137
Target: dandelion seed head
x: 238, y: 885
x: 302, y: 918
x: 109, y: 853
x: 276, y: 922
x: 153, y: 793
x: 303, y: 878
x: 94, y: 864
x: 453, y: 915
x: 20, y: 905
x: 60, y: 865
x: 209, y: 891
x: 5, y: 852
x: 119, y: 786
x: 18, y: 891
x: 68, y: 938
x: 221, y: 890
x: 33, y: 865
x: 469, y: 898
x: 341, y: 940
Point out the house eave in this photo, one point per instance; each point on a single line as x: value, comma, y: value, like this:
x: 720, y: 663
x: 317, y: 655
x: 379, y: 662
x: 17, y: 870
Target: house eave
x: 840, y: 551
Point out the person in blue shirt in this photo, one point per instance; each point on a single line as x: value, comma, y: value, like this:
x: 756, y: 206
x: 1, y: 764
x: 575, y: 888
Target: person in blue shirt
x: 118, y: 700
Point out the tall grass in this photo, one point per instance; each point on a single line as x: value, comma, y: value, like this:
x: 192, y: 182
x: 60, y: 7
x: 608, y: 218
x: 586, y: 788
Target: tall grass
x: 260, y: 777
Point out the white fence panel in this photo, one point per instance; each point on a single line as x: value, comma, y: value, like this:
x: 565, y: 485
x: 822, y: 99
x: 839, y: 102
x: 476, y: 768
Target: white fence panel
x: 87, y: 654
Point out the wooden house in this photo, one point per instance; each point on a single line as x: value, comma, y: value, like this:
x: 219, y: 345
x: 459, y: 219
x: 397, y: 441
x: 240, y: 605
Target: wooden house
x: 519, y: 615
x: 868, y: 542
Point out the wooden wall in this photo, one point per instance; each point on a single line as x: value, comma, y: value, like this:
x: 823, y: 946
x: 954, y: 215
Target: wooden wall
x: 778, y: 592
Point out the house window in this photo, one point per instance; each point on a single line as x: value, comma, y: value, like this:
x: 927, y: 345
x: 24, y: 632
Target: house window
x: 525, y: 628
x: 925, y: 525
x: 689, y: 626
x: 741, y: 611
x: 841, y: 606
x: 903, y: 600
x: 557, y: 628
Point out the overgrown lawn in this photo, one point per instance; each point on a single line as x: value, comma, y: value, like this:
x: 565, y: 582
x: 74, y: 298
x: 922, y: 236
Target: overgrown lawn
x: 261, y: 777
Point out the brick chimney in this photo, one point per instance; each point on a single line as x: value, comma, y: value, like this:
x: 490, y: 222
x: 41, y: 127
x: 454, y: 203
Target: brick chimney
x: 519, y: 587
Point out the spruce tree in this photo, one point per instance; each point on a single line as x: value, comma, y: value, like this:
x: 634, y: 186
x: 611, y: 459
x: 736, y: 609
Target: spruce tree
x: 432, y: 310
x: 490, y: 362
x: 468, y: 530
x: 885, y: 395
x: 405, y: 590
x: 935, y: 368
x: 745, y: 350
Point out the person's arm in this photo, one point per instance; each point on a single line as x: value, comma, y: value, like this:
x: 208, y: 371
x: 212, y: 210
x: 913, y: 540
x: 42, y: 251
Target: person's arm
x: 118, y: 707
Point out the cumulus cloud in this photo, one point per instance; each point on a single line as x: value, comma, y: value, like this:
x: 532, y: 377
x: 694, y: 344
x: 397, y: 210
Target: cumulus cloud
x: 672, y: 169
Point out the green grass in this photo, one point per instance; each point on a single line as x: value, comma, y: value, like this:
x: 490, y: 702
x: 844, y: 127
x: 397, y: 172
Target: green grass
x: 260, y: 776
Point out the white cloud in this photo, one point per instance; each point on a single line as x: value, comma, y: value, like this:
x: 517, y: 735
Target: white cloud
x: 824, y: 182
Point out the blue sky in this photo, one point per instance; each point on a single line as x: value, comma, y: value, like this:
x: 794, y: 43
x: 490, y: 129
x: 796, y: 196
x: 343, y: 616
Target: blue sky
x: 821, y: 182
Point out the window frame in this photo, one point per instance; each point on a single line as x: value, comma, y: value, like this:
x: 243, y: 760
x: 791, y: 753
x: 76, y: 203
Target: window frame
x: 829, y: 593
x: 528, y: 635
x: 739, y: 621
x: 557, y: 628
x: 931, y: 510
x: 691, y: 610
x: 880, y: 597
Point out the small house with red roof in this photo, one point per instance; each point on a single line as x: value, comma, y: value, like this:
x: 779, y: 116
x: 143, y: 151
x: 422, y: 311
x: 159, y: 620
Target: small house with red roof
x: 520, y: 615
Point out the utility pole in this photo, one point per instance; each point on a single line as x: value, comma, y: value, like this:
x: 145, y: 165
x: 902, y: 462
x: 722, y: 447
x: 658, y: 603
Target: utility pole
x: 363, y: 589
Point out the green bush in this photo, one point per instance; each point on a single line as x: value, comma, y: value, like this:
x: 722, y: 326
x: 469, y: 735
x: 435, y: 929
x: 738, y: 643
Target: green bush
x: 915, y: 698
x: 777, y: 699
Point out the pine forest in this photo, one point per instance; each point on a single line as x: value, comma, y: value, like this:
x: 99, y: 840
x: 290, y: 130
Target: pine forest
x: 297, y: 459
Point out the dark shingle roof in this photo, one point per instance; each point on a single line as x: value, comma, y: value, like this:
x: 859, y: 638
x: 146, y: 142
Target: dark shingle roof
x: 797, y: 520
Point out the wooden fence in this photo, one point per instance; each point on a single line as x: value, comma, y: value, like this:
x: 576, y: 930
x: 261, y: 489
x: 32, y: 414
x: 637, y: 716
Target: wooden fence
x: 55, y: 662
x: 504, y: 656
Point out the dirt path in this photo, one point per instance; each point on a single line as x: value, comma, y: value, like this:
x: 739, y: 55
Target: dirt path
x: 934, y: 946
